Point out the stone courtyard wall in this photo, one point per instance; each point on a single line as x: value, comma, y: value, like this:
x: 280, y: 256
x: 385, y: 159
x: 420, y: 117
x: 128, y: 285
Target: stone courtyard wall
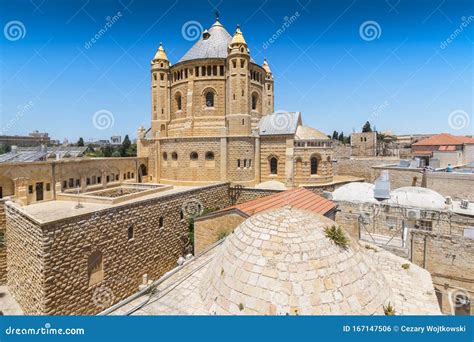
x: 450, y: 260
x: 361, y: 167
x: 48, y: 263
x: 3, y: 249
x: 210, y: 229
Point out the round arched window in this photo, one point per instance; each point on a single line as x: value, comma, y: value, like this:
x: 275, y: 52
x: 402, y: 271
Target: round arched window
x: 209, y: 155
x: 209, y: 99
x: 254, y: 101
x: 165, y: 156
x: 174, y: 156
x: 193, y: 156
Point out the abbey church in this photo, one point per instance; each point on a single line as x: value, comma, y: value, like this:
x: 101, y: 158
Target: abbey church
x: 213, y: 119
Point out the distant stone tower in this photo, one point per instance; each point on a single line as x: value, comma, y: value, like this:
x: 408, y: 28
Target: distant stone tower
x: 268, y: 103
x: 238, y: 118
x: 160, y: 93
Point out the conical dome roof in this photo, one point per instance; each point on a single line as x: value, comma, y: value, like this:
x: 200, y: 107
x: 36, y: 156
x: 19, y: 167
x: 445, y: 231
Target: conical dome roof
x: 160, y: 53
x: 212, y: 44
x: 281, y: 262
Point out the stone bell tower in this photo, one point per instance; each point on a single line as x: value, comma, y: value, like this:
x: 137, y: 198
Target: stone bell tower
x: 238, y: 86
x: 160, y: 93
x: 268, y: 91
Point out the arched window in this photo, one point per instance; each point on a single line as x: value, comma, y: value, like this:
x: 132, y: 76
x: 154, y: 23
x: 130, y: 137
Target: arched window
x: 95, y: 268
x: 161, y: 222
x: 165, y: 156
x: 314, y: 165
x: 174, y: 156
x: 209, y: 155
x: 162, y: 128
x: 178, y: 101
x: 273, y: 166
x: 209, y: 99
x: 254, y: 101
x: 193, y: 156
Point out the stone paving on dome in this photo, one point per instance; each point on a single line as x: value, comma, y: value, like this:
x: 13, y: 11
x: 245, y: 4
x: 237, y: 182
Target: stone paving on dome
x: 281, y: 262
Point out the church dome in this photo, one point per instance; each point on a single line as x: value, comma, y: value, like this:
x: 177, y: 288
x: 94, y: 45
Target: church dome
x: 281, y: 262
x: 212, y: 44
x: 309, y: 133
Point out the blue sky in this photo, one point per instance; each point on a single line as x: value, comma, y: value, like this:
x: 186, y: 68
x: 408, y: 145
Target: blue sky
x: 406, y: 78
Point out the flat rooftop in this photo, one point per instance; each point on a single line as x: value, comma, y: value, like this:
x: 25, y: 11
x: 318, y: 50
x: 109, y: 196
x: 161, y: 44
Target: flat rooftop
x: 50, y: 211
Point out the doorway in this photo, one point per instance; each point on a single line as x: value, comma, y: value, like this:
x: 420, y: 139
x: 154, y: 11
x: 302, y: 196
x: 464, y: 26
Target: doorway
x: 39, y: 191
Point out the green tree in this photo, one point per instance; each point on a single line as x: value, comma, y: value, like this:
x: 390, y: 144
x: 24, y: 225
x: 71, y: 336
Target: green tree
x: 366, y: 127
x: 107, y: 151
x: 341, y: 137
x: 125, y: 146
x: 335, y: 135
x: 80, y: 142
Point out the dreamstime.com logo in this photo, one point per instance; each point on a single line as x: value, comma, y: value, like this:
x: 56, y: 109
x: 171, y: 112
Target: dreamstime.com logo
x: 191, y: 30
x: 459, y: 119
x: 46, y: 330
x: 14, y: 30
x: 103, y: 119
x: 192, y: 208
x: 370, y: 30
x: 282, y: 120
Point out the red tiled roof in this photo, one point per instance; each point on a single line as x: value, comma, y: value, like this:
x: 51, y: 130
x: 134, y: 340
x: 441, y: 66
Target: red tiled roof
x: 297, y: 198
x: 444, y: 139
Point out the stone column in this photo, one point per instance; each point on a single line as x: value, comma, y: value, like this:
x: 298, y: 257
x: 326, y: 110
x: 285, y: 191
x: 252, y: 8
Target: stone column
x: 223, y: 164
x: 289, y: 163
x: 257, y: 160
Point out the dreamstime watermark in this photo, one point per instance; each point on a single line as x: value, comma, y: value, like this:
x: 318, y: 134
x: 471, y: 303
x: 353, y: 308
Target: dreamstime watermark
x: 378, y: 110
x: 370, y: 30
x: 369, y: 210
x: 21, y: 111
x: 459, y: 119
x: 288, y: 21
x: 192, y: 208
x: 464, y: 24
x: 191, y: 30
x: 46, y: 330
x: 282, y: 120
x: 110, y: 21
x: 14, y: 30
x: 103, y: 119
x: 103, y: 297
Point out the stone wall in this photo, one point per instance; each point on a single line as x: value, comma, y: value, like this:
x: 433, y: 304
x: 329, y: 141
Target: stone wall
x: 87, y: 172
x: 3, y: 248
x: 243, y: 195
x: 364, y: 144
x: 48, y: 263
x: 450, y: 260
x: 211, y: 228
x: 361, y: 167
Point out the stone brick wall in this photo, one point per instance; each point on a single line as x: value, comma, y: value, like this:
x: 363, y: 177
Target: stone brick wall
x: 272, y: 146
x: 364, y: 144
x: 48, y: 263
x: 450, y: 260
x: 240, y: 149
x: 50, y: 172
x: 3, y: 248
x: 211, y: 228
x: 361, y: 167
x: 26, y: 280
x: 185, y: 169
x: 248, y: 194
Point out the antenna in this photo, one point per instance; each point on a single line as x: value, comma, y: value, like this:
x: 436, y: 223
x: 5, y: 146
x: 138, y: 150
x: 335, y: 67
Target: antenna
x: 79, y: 204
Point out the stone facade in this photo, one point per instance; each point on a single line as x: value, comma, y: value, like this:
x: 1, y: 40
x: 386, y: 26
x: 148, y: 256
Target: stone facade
x: 35, y: 182
x: 364, y: 144
x: 437, y: 244
x: 3, y: 249
x: 48, y: 270
x: 206, y: 111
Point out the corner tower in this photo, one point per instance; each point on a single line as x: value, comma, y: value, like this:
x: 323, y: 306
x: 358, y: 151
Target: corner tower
x: 238, y: 118
x: 160, y: 93
x: 268, y: 104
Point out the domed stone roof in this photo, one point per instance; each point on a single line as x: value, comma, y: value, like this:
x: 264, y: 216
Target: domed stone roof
x: 160, y: 53
x: 415, y: 196
x: 281, y: 262
x: 213, y: 44
x: 308, y: 133
x: 355, y: 192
